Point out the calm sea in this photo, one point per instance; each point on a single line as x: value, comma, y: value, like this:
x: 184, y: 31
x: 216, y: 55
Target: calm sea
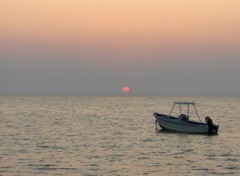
x: 87, y: 136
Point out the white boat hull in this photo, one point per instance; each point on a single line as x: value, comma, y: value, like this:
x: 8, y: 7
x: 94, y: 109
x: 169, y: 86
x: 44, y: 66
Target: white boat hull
x: 174, y: 124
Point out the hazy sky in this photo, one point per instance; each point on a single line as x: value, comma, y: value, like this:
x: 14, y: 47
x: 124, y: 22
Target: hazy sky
x: 95, y: 47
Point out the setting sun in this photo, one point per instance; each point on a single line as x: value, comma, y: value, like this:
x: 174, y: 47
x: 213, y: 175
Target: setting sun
x: 126, y: 89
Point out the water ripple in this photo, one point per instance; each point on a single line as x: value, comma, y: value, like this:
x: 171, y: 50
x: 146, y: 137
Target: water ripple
x: 93, y: 136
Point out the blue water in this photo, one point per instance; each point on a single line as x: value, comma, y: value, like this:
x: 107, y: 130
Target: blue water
x: 50, y: 135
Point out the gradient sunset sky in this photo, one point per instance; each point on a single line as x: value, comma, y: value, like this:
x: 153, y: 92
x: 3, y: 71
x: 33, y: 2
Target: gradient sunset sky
x: 96, y: 47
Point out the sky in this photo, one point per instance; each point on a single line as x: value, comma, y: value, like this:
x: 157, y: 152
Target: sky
x: 96, y: 47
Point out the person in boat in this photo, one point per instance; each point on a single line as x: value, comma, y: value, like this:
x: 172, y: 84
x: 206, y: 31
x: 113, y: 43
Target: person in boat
x: 183, y: 117
x: 211, y: 127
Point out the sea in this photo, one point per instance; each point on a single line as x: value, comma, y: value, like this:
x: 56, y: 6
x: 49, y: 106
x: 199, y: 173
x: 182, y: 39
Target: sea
x: 114, y: 136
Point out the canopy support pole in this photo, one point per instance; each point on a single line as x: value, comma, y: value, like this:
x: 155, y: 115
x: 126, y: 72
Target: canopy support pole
x: 172, y: 109
x: 197, y: 113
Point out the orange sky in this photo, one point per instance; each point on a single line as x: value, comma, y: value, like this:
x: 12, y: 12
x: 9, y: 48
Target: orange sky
x: 127, y: 41
x: 122, y: 22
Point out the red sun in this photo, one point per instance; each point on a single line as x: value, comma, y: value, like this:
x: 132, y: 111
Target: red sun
x: 126, y: 89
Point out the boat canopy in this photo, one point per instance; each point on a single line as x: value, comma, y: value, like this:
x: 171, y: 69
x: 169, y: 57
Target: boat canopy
x: 180, y: 103
x: 184, y: 103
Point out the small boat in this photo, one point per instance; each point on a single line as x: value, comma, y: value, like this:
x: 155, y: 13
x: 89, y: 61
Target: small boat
x: 182, y: 123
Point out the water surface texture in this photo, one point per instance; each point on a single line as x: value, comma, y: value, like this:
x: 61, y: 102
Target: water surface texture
x: 89, y: 136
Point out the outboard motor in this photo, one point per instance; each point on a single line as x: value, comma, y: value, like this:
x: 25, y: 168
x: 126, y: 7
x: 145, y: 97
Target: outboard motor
x: 212, y: 128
